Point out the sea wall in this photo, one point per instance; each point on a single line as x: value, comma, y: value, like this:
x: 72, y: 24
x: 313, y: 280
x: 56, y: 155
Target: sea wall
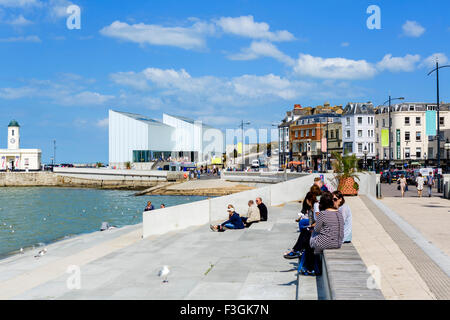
x: 86, y: 179
x: 160, y: 221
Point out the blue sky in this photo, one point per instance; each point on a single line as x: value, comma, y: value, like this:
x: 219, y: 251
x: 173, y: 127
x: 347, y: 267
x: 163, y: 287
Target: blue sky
x: 217, y: 61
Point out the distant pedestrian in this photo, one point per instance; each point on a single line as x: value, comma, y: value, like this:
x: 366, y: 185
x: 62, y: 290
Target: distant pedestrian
x: 402, y: 182
x: 262, y: 209
x: 149, y: 206
x: 162, y: 206
x: 430, y: 183
x: 419, y: 183
x: 320, y: 184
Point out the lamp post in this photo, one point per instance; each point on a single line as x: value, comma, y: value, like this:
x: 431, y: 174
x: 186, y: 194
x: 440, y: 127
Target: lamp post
x: 365, y: 151
x: 447, y: 147
x: 243, y: 142
x: 438, y: 120
x: 390, y: 138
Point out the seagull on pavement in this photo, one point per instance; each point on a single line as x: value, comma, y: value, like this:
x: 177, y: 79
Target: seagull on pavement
x: 163, y: 273
x: 41, y: 253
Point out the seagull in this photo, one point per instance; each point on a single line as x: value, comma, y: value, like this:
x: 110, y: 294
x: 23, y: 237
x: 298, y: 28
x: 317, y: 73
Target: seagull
x: 163, y: 273
x: 41, y: 253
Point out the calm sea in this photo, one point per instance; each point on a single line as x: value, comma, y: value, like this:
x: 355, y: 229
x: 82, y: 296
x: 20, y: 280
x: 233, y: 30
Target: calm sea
x: 31, y: 217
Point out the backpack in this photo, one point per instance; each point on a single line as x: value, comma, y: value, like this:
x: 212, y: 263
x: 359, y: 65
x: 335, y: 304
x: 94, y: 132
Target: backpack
x: 430, y: 180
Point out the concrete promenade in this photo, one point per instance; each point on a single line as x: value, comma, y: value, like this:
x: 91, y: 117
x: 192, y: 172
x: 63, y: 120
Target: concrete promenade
x: 119, y: 264
x: 404, y: 242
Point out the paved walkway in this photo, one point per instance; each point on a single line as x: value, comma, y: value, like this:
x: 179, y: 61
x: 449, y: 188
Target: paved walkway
x: 399, y: 279
x: 118, y: 264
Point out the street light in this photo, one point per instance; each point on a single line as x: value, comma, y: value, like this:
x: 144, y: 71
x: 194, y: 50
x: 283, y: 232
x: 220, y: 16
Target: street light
x: 365, y: 151
x: 389, y: 120
x: 447, y: 147
x: 438, y: 120
x: 243, y: 142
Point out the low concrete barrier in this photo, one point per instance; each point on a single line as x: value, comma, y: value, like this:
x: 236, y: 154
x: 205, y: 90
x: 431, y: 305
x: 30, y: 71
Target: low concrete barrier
x: 215, y: 209
x: 345, y: 276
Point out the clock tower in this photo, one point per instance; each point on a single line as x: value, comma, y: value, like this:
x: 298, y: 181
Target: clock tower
x: 13, y: 135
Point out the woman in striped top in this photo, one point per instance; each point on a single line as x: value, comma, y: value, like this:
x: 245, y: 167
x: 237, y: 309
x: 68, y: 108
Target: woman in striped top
x: 329, y: 228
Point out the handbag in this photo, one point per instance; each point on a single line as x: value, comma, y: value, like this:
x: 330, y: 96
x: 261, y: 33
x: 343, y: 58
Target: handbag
x: 398, y: 187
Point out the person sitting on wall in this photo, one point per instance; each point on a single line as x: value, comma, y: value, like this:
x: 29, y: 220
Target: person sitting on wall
x: 234, y: 221
x: 306, y: 227
x: 162, y: 206
x: 253, y: 214
x: 346, y: 214
x: 262, y: 209
x: 149, y: 206
x: 320, y: 184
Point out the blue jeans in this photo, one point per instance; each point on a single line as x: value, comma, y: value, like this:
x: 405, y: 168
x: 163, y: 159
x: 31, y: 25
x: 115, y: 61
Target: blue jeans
x: 429, y: 190
x: 303, y: 224
x: 229, y: 226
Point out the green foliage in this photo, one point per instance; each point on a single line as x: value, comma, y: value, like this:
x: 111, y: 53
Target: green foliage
x: 345, y: 166
x: 128, y: 165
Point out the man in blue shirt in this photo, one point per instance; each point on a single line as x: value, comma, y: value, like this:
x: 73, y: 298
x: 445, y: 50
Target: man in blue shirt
x: 430, y: 183
x: 234, y: 221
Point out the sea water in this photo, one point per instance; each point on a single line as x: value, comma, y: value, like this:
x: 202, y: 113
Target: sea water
x: 32, y: 217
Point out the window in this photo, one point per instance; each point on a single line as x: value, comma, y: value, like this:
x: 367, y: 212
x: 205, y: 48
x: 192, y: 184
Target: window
x: 418, y: 135
x: 378, y: 138
x: 407, y: 153
x: 360, y: 133
x: 384, y: 123
x: 348, y: 120
x: 411, y: 108
x: 407, y: 135
x: 359, y: 147
x: 348, y: 147
x: 296, y: 133
x: 301, y: 133
x: 313, y: 132
x: 407, y: 121
x: 441, y: 121
x: 377, y: 124
x: 368, y: 133
x: 417, y: 121
x: 332, y: 134
x: 418, y: 153
x: 307, y: 132
x: 337, y: 134
x: 430, y: 153
x: 359, y: 120
x: 348, y: 133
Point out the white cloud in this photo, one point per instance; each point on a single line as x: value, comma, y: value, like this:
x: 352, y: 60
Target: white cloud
x: 412, y: 29
x: 259, y: 49
x: 103, y: 123
x: 430, y: 61
x: 58, y: 8
x: 192, y: 37
x: 21, y: 39
x: 397, y: 64
x: 178, y: 87
x: 333, y: 68
x: 86, y: 98
x: 19, y: 3
x: 70, y: 90
x: 245, y: 26
x: 19, y: 21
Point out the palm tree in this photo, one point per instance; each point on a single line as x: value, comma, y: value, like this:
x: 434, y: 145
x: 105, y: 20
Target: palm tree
x: 345, y: 171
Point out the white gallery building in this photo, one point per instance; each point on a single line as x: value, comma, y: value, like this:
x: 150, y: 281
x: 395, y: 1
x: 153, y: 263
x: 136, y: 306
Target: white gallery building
x: 15, y: 158
x: 137, y: 139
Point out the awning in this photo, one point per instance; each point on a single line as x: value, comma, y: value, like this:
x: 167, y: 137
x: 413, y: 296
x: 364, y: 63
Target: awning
x: 296, y: 162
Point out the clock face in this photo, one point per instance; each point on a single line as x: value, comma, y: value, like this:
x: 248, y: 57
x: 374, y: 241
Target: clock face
x: 12, y: 140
